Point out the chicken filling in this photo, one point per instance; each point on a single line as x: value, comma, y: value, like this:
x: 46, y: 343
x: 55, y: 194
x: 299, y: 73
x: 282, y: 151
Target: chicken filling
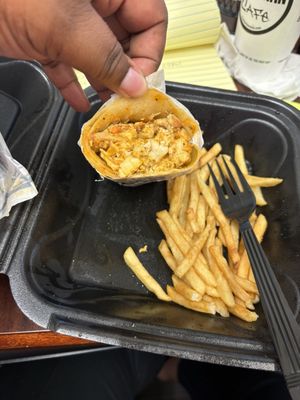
x: 143, y: 148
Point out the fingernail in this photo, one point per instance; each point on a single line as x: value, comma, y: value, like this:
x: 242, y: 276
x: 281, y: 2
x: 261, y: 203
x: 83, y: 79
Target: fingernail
x: 133, y: 85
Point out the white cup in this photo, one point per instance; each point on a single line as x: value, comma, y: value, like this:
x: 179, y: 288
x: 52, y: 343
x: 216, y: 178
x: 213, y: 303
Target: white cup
x: 266, y: 33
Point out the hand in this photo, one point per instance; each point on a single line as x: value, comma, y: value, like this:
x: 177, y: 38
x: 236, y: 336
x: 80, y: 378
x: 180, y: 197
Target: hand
x: 114, y: 43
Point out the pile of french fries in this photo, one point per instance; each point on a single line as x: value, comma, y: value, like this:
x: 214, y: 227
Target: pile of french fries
x: 202, y: 247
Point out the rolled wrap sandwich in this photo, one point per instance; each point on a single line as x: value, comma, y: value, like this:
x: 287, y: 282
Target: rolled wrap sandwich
x: 140, y: 140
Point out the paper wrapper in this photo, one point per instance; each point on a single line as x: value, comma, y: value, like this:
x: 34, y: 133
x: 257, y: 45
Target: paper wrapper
x: 118, y: 109
x: 16, y: 184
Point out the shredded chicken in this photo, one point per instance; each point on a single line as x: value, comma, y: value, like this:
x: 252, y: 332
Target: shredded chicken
x: 158, y: 145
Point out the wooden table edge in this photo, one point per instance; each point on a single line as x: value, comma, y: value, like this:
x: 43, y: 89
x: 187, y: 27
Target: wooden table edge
x: 40, y: 339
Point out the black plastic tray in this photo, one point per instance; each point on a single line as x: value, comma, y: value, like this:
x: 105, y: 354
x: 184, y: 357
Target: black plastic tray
x: 29, y: 107
x: 67, y: 272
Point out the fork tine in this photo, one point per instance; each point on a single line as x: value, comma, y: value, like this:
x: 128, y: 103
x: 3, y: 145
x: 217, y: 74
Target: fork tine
x: 225, y: 183
x: 242, y: 179
x: 217, y: 185
x: 232, y: 180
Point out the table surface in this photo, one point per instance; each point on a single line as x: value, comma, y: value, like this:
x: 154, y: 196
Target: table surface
x: 18, y: 332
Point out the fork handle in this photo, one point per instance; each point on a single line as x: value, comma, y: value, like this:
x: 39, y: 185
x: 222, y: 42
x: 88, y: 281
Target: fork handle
x: 282, y: 323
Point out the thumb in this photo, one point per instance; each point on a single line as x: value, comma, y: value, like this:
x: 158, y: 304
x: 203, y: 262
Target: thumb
x: 93, y: 49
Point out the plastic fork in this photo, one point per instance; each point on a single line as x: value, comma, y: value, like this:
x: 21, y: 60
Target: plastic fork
x: 239, y: 204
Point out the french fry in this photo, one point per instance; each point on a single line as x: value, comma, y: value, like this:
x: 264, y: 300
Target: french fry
x: 194, y: 281
x: 204, y: 273
x: 221, y: 237
x: 183, y: 232
x: 212, y: 188
x: 243, y: 313
x: 216, y: 209
x: 262, y: 181
x: 167, y: 255
x: 259, y: 230
x: 246, y: 284
x: 250, y: 305
x: 210, y: 242
x: 235, y: 230
x: 143, y: 275
x: 168, y: 221
x: 191, y: 212
x: 241, y: 250
x: 202, y: 259
x: 259, y: 197
x: 229, y: 275
x: 218, y: 243
x: 251, y: 276
x: 211, y: 221
x: 184, y: 202
x: 207, y: 209
x: 244, y: 268
x: 188, y: 228
x: 192, y: 254
x: 201, y: 213
x: 171, y: 243
x: 220, y: 306
x: 191, y: 216
x: 201, y: 306
x: 223, y: 287
x: 239, y: 157
x: 172, y: 259
x: 177, y: 194
x: 255, y: 299
x: 170, y: 185
x: 210, y: 155
x: 253, y: 218
x: 212, y: 291
x: 203, y: 151
x: 185, y: 290
x: 203, y: 173
x: 216, y: 171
